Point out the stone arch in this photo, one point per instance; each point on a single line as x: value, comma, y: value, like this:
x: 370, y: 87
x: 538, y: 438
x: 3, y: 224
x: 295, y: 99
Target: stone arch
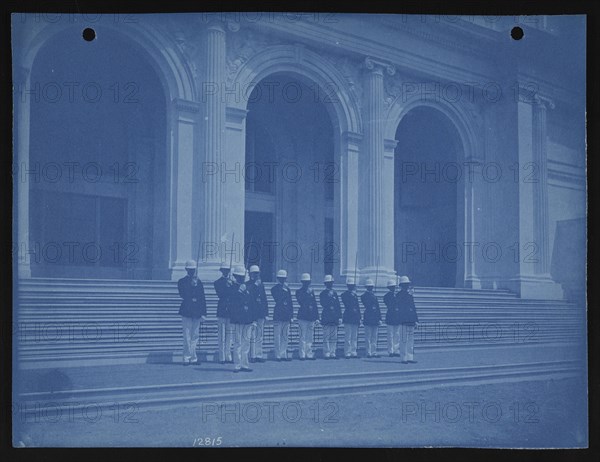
x: 170, y: 65
x: 472, y: 149
x: 308, y: 64
x: 175, y: 79
x: 456, y: 115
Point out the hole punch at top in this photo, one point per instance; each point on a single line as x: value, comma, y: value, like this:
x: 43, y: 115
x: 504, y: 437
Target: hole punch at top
x: 517, y: 33
x: 88, y: 34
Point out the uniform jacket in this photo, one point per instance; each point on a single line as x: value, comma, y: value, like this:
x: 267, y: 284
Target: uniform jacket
x: 351, y: 307
x: 392, y: 316
x: 259, y: 299
x: 372, y: 313
x: 241, y: 307
x: 308, y: 311
x: 407, y: 313
x: 193, y: 303
x: 332, y: 311
x: 284, y: 309
x: 222, y: 286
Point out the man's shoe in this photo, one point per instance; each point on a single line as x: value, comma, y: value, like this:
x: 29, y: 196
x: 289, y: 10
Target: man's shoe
x: 412, y: 361
x: 222, y: 362
x: 246, y: 369
x: 236, y: 370
x: 186, y: 363
x: 404, y: 362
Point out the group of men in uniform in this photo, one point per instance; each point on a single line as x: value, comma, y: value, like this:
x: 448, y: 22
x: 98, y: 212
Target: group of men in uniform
x: 243, y: 309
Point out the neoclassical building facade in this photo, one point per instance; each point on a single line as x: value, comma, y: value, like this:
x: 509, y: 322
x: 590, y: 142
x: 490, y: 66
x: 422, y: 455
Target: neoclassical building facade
x: 367, y: 145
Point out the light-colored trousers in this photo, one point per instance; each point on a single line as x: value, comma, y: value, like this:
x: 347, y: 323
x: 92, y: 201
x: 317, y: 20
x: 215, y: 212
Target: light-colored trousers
x: 224, y: 339
x: 256, y: 344
x: 407, y: 342
x: 393, y: 339
x: 281, y: 334
x: 191, y: 334
x: 350, y: 339
x: 371, y: 333
x: 330, y: 334
x: 242, y: 334
x: 307, y: 334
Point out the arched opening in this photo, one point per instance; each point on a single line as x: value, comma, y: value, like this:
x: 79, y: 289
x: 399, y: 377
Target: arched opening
x: 428, y: 188
x: 97, y: 160
x: 290, y: 178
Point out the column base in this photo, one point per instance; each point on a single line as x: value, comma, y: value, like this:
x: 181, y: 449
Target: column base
x: 380, y: 276
x: 473, y: 282
x: 24, y: 270
x: 536, y: 287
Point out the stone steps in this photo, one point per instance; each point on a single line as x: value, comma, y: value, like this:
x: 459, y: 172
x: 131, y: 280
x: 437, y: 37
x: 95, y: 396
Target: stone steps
x: 70, y: 321
x: 241, y: 389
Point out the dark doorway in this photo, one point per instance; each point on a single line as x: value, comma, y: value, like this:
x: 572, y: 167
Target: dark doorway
x: 427, y: 179
x: 259, y: 245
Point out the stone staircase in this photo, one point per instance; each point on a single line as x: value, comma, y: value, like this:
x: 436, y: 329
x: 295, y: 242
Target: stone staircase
x: 77, y: 322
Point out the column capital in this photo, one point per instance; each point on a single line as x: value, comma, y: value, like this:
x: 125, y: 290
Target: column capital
x: 377, y: 66
x: 186, y: 106
x: 352, y: 138
x: 21, y: 73
x: 544, y: 102
x: 235, y: 114
x: 220, y: 22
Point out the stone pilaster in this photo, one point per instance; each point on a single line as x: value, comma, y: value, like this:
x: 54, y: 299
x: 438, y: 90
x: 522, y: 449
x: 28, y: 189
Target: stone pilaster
x: 533, y: 279
x: 183, y: 129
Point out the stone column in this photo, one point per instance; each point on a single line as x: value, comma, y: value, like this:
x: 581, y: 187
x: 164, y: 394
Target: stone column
x: 541, y: 222
x: 213, y: 139
x: 21, y: 101
x: 377, y: 206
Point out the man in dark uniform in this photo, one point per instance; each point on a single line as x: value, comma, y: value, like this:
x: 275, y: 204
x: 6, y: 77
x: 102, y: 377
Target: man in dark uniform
x: 408, y: 320
x: 192, y: 311
x: 282, y: 316
x: 392, y: 319
x: 242, y: 319
x: 351, y: 319
x: 224, y: 334
x: 308, y: 315
x: 371, y: 318
x: 261, y: 312
x: 331, y: 318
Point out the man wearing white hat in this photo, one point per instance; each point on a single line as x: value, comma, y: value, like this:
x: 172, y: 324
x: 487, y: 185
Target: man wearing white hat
x: 331, y: 318
x: 224, y: 333
x: 308, y: 314
x: 242, y: 320
x: 392, y: 319
x: 282, y: 316
x: 371, y: 318
x: 408, y: 320
x: 261, y: 311
x: 192, y: 311
x: 351, y: 319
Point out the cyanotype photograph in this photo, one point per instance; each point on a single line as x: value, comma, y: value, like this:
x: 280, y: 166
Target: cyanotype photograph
x: 277, y: 229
